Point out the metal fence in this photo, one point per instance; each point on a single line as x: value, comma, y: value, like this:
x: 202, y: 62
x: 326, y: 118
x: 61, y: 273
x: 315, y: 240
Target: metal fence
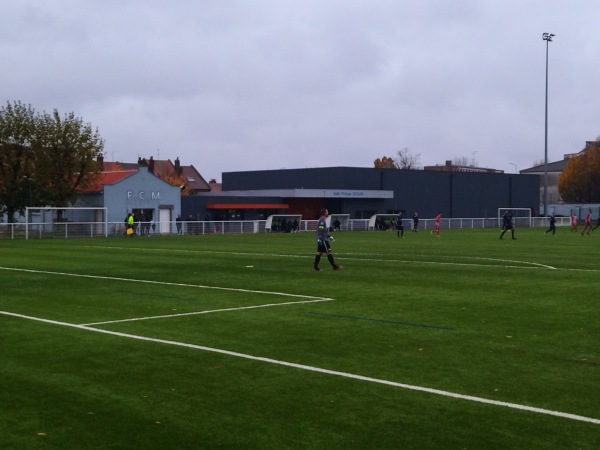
x: 114, y: 229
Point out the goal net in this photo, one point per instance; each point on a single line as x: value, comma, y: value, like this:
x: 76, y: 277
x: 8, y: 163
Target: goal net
x: 65, y: 222
x: 338, y: 222
x: 382, y: 221
x: 283, y: 222
x: 521, y: 216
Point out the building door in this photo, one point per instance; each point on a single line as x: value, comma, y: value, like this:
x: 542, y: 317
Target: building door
x: 164, y: 216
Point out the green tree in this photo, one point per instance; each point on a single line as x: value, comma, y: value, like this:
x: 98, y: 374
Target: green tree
x: 17, y: 158
x: 44, y: 159
x: 66, y: 153
x: 579, y: 182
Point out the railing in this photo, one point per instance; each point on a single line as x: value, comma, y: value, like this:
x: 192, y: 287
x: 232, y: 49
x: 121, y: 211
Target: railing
x: 97, y: 229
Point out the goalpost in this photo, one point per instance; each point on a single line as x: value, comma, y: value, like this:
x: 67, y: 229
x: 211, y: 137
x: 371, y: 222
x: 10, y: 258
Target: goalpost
x: 521, y: 216
x: 65, y: 222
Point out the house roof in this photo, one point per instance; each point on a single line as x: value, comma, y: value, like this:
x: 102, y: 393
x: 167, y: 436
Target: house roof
x: 559, y: 166
x: 556, y: 166
x: 116, y: 166
x: 196, y: 182
x: 165, y: 169
x: 214, y: 186
x: 105, y: 178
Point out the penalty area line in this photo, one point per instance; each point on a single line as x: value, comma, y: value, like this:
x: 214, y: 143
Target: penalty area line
x: 164, y: 283
x: 439, y: 392
x: 194, y: 313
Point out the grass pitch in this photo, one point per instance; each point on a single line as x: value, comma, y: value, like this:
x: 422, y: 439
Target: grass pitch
x: 459, y: 342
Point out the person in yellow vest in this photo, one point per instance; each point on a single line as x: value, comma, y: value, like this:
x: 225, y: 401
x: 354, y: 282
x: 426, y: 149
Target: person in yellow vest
x: 130, y: 221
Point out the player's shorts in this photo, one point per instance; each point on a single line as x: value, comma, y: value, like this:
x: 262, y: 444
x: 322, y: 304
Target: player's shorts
x: 323, y: 247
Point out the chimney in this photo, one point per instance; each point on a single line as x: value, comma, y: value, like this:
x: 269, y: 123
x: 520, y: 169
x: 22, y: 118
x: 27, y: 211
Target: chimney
x: 178, y: 166
x: 151, y: 165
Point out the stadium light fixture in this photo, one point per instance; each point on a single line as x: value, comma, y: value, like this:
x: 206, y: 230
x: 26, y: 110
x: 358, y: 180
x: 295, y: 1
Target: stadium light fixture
x: 548, y: 38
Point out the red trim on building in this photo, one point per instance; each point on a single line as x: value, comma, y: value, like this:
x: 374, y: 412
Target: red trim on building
x: 247, y: 206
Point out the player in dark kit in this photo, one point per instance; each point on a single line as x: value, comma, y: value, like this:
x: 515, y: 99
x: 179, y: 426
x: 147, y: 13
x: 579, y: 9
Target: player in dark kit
x: 552, y: 225
x: 400, y: 225
x: 323, y: 245
x: 507, y: 224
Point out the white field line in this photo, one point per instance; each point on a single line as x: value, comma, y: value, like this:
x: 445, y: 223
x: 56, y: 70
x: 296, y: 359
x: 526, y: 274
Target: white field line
x: 166, y: 283
x: 194, y: 313
x: 512, y: 264
x: 321, y: 370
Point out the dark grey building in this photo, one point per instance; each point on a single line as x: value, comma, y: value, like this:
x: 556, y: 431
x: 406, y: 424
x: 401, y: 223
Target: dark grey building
x: 362, y: 192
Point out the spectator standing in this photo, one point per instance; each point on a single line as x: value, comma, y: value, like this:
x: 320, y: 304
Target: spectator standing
x: 178, y: 224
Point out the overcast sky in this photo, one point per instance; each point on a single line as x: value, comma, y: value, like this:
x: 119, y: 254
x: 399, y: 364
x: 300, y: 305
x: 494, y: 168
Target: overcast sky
x: 230, y: 85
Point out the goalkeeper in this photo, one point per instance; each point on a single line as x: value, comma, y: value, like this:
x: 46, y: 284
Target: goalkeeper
x: 323, y: 245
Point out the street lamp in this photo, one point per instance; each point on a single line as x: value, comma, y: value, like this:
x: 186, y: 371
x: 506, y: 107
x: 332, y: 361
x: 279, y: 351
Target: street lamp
x: 516, y: 168
x: 548, y: 38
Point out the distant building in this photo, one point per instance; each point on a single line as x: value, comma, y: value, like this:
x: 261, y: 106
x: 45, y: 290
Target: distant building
x: 450, y: 167
x: 151, y: 189
x: 164, y: 169
x: 362, y: 192
x: 150, y: 198
x: 554, y: 170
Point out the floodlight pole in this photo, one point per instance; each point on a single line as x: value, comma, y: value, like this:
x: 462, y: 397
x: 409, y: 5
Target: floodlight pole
x: 548, y: 38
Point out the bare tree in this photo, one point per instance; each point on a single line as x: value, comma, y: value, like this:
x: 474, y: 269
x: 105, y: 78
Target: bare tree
x: 460, y: 161
x: 406, y: 160
x: 464, y: 161
x: 539, y: 162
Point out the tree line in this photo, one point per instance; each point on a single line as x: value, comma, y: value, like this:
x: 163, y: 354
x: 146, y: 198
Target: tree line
x: 45, y: 159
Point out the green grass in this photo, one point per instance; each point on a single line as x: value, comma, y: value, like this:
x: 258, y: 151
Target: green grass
x: 511, y: 321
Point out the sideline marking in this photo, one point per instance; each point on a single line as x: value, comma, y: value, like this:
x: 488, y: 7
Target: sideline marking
x: 471, y: 398
x: 525, y: 264
x: 165, y: 283
x: 206, y: 312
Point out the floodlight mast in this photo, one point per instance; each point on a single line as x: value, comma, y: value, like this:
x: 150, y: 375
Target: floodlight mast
x: 548, y: 38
